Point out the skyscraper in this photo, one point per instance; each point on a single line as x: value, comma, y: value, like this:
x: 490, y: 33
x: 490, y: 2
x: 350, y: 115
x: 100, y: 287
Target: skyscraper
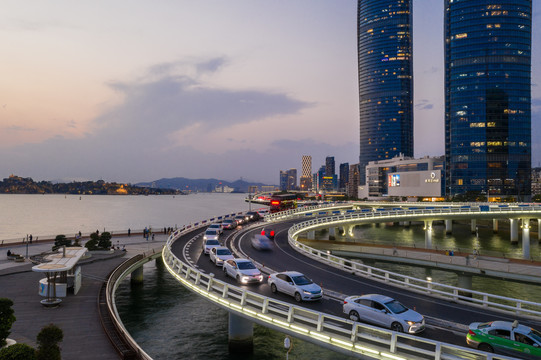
x: 488, y: 97
x: 344, y: 176
x: 306, y: 175
x: 385, y: 80
x: 329, y: 166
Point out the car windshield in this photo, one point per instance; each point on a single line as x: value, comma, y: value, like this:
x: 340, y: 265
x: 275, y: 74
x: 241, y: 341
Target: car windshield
x: 228, y: 221
x: 246, y: 265
x: 536, y: 335
x: 213, y: 242
x: 223, y: 252
x: 301, y: 280
x: 211, y: 232
x: 396, y: 307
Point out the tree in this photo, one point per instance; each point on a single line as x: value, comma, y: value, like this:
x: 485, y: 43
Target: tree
x: 18, y: 352
x: 48, y: 339
x: 6, y: 319
x: 105, y: 240
x: 61, y: 240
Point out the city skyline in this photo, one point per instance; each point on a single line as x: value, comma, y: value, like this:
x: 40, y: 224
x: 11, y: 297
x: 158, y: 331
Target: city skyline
x: 157, y: 91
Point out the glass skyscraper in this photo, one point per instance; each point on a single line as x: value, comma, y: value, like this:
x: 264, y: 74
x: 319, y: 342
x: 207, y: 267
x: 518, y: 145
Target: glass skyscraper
x: 488, y: 97
x: 385, y: 80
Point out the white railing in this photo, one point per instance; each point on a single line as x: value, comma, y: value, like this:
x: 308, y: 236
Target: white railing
x: 330, y: 331
x: 447, y: 292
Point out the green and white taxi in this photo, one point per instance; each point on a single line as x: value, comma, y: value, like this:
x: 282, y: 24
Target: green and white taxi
x: 505, y: 337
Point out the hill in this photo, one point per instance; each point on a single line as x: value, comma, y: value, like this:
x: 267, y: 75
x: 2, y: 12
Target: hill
x: 201, y: 185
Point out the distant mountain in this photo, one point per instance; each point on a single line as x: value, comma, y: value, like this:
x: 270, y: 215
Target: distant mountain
x: 201, y: 185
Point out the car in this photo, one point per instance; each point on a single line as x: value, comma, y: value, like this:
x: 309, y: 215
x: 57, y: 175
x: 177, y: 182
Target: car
x: 217, y: 227
x: 241, y: 219
x: 219, y: 254
x: 261, y: 242
x: 262, y: 213
x: 382, y: 310
x: 243, y: 270
x: 295, y: 284
x: 268, y: 233
x: 253, y: 215
x: 209, y: 244
x: 229, y: 224
x: 211, y: 235
x: 506, y: 338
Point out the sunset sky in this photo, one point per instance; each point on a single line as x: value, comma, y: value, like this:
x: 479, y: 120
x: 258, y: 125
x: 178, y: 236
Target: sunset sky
x: 132, y: 91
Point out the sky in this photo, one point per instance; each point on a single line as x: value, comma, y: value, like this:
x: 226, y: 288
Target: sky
x: 133, y: 91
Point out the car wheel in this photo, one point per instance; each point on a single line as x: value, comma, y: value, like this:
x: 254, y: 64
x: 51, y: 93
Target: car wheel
x: 238, y: 279
x: 273, y: 288
x: 397, y: 327
x: 225, y: 271
x: 298, y: 297
x: 354, y: 315
x: 486, y: 347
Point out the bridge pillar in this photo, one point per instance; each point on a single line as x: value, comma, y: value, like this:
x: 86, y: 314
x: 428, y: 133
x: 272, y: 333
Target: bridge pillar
x: 136, y: 276
x: 311, y: 235
x: 159, y: 263
x: 448, y: 226
x: 428, y: 234
x: 350, y: 230
x: 465, y: 282
x: 538, y: 229
x: 473, y: 227
x: 526, y: 238
x: 241, y: 334
x: 495, y: 226
x: 332, y: 233
x: 406, y: 224
x: 514, y: 230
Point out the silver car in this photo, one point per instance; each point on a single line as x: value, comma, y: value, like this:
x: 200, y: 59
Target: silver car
x: 220, y: 254
x: 295, y: 284
x: 243, y: 270
x: 209, y: 244
x: 383, y: 311
x: 211, y: 235
x: 217, y: 227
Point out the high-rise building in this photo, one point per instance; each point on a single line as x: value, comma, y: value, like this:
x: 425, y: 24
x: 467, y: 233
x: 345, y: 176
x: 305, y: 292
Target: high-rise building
x: 353, y: 184
x: 283, y: 180
x: 488, y: 97
x: 385, y: 80
x: 292, y: 179
x: 329, y: 166
x: 306, y: 177
x: 344, y: 176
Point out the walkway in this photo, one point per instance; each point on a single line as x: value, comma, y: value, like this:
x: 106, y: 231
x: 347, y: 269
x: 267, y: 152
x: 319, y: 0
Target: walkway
x: 77, y: 316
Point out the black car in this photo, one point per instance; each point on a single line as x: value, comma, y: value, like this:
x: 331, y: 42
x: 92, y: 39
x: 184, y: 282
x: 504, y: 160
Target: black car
x: 253, y: 215
x: 268, y: 233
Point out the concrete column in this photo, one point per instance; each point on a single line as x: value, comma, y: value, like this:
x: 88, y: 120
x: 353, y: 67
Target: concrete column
x: 350, y: 230
x: 538, y: 229
x: 514, y: 230
x: 241, y: 334
x: 448, y: 226
x: 332, y: 233
x: 465, y: 282
x: 311, y: 235
x: 428, y: 234
x: 406, y: 224
x: 137, y: 276
x: 526, y: 238
x: 495, y: 226
x: 473, y: 226
x: 159, y: 263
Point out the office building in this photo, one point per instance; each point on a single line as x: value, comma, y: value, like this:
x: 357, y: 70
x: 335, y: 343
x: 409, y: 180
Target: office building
x: 344, y: 176
x: 353, y: 184
x: 329, y: 166
x: 306, y: 177
x: 488, y: 97
x: 385, y: 80
x: 292, y: 179
x: 283, y: 180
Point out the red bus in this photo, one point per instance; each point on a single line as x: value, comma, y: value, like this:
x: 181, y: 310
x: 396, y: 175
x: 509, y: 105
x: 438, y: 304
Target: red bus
x: 282, y: 202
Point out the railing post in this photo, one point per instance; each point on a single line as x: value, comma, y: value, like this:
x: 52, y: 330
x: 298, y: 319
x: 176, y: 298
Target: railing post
x: 225, y: 292
x: 243, y: 298
x: 209, y: 285
x: 437, y: 352
x: 393, y: 343
x: 354, y: 332
x: 320, y: 321
x: 265, y: 307
x: 290, y: 314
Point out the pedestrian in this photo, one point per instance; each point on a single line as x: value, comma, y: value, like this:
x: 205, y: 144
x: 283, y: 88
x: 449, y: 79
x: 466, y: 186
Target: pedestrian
x: 30, y: 238
x: 129, y: 232
x: 9, y: 252
x: 153, y: 237
x: 80, y: 235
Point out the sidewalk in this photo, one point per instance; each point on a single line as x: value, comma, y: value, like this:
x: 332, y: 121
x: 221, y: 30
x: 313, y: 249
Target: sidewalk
x: 77, y: 315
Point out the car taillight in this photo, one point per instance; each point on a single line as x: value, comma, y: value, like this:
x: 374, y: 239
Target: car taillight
x: 345, y: 302
x: 471, y: 333
x: 272, y: 233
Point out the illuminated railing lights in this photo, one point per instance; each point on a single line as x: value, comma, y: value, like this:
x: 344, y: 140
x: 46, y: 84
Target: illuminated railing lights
x: 342, y: 342
x: 391, y: 356
x: 265, y: 317
x: 283, y: 323
x: 320, y: 336
x: 367, y: 350
x: 298, y: 328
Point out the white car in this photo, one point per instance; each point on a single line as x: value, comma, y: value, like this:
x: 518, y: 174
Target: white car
x: 295, y: 284
x: 383, y: 311
x: 211, y: 235
x: 217, y: 227
x: 261, y: 242
x: 209, y: 244
x: 243, y: 270
x: 220, y: 254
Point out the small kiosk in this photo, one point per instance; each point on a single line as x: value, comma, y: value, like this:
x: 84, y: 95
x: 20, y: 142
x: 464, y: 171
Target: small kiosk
x: 61, y: 274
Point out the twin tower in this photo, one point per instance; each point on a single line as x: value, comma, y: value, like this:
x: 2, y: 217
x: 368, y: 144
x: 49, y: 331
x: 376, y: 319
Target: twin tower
x: 487, y: 90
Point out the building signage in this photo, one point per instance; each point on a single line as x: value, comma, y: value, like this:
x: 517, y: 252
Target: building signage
x: 394, y: 180
x: 432, y: 179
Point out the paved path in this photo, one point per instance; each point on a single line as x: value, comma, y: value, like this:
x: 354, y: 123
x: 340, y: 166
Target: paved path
x: 77, y: 315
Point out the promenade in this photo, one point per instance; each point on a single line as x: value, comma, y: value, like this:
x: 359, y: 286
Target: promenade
x: 77, y: 315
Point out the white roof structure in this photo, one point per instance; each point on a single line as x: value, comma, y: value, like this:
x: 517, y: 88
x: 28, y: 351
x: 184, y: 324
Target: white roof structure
x: 62, y: 261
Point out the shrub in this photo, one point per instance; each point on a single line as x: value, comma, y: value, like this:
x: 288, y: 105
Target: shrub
x: 105, y: 240
x: 6, y: 319
x: 48, y: 339
x: 61, y: 240
x: 18, y: 352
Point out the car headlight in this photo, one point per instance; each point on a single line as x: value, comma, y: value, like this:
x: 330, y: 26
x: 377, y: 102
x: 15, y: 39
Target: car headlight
x: 205, y: 237
x: 306, y: 292
x: 244, y: 279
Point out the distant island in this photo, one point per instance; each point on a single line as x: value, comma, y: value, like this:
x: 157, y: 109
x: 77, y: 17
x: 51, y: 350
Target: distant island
x: 19, y: 185
x: 174, y: 186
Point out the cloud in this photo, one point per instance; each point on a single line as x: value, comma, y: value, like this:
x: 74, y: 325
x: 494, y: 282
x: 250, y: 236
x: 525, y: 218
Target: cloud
x: 170, y: 125
x: 424, y: 105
